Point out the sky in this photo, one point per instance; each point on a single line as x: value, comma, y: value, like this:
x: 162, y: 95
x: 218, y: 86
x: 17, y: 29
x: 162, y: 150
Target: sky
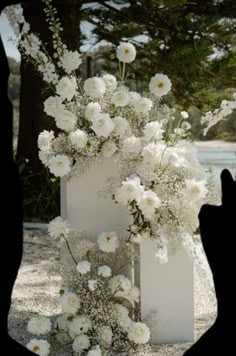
x: 6, y: 32
x: 11, y: 50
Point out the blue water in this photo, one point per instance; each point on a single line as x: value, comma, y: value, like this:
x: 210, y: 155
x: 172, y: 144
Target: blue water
x: 218, y: 159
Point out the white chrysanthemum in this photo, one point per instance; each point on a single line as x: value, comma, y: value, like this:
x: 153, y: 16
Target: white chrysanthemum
x: 49, y: 72
x: 39, y: 347
x: 139, y: 333
x: 66, y: 87
x: 70, y: 302
x: 94, y: 87
x: 109, y: 148
x: 153, y: 153
x: 106, y: 334
x: 83, y: 267
x: 131, y: 146
x: 142, y: 105
x: 186, y: 125
x: 104, y: 271
x: 80, y: 325
x: 39, y: 325
x: 59, y: 165
x: 44, y: 156
x: 126, y: 52
x: 95, y: 352
x: 53, y: 105
x: 131, y: 294
x: 103, y: 125
x: 58, y: 227
x: 81, y: 343
x: 179, y: 131
x: 70, y: 60
x: 45, y: 138
x: 62, y: 323
x: 121, y: 125
x: 120, y: 98
x: 176, y: 160
x: 148, y: 203
x: 119, y: 282
x: 195, y: 190
x: 92, y: 111
x: 134, y: 294
x: 78, y: 138
x: 121, y: 315
x: 133, y: 97
x: 160, y: 85
x: 130, y: 190
x: 31, y: 45
x: 184, y: 114
x: 143, y: 235
x: 153, y: 130
x: 92, y: 284
x: 110, y: 81
x: 108, y: 241
x: 66, y: 120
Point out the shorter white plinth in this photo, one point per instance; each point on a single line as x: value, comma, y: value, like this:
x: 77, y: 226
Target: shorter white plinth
x: 167, y: 289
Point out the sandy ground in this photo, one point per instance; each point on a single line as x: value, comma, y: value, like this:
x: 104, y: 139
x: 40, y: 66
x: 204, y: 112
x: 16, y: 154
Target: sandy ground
x: 38, y: 283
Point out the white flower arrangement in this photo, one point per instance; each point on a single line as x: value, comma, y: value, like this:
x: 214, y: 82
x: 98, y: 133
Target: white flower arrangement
x: 163, y: 187
x: 100, y: 304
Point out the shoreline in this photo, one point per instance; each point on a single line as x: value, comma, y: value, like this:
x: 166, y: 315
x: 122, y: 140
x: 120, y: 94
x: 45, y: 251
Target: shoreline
x: 216, y: 144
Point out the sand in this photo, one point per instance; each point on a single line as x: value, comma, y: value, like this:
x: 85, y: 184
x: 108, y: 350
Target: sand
x: 38, y: 283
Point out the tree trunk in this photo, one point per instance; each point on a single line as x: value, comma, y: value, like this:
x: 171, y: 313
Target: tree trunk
x: 41, y: 196
x: 32, y: 116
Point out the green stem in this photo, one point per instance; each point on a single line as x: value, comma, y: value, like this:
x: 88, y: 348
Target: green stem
x: 69, y: 249
x: 123, y: 72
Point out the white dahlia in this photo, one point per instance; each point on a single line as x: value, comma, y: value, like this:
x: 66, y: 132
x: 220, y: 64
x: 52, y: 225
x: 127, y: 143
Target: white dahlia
x: 120, y: 98
x: 160, y: 85
x: 104, y: 271
x: 70, y: 302
x: 67, y: 88
x: 94, y: 87
x: 70, y: 60
x: 78, y: 138
x: 66, y: 120
x: 108, y: 241
x: 53, y: 105
x: 139, y: 333
x: 45, y: 138
x: 126, y: 52
x: 39, y: 347
x: 58, y: 227
x: 39, y: 325
x: 103, y: 125
x: 92, y: 111
x: 110, y: 81
x: 83, y: 267
x: 59, y: 165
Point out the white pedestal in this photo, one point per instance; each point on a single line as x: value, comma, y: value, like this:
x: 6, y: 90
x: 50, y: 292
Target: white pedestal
x: 167, y: 289
x: 84, y: 207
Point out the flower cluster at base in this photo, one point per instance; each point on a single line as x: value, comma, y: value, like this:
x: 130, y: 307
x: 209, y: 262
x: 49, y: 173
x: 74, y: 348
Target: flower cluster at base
x: 99, y: 304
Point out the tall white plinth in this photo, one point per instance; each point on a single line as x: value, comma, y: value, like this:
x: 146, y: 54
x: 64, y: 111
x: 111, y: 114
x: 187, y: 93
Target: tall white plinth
x: 85, y: 206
